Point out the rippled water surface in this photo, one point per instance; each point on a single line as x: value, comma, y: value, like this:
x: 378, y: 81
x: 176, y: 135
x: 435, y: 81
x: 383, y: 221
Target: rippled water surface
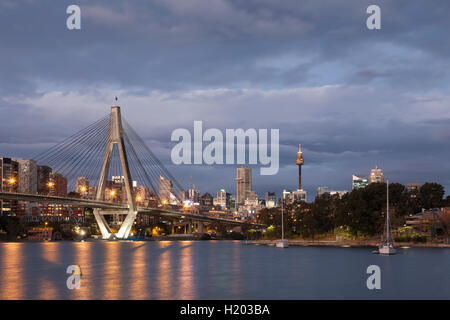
x: 217, y: 270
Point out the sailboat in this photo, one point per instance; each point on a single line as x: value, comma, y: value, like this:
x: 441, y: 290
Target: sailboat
x: 387, y: 246
x: 282, y: 243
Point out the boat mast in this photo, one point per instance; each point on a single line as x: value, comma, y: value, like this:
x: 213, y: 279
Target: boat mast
x: 282, y: 220
x: 388, y: 229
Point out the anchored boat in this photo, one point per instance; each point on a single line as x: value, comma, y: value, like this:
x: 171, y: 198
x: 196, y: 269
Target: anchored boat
x: 387, y: 245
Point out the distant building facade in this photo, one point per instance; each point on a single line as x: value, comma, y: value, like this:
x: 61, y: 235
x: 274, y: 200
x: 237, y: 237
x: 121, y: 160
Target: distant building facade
x: 207, y: 200
x: 412, y: 186
x: 43, y: 179
x: 165, y: 190
x: 82, y: 186
x: 359, y: 182
x: 243, y: 184
x: 58, y: 185
x: 271, y: 199
x: 376, y: 175
x: 28, y: 176
x: 9, y: 174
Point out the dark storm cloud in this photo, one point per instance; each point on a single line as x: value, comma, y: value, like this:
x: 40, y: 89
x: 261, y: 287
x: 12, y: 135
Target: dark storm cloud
x: 351, y: 96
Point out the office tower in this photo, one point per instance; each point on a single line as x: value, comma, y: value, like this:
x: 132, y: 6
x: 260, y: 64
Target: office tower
x: 243, y: 184
x: 43, y: 179
x: 9, y: 174
x: 27, y: 176
x: 359, y: 182
x: 271, y: 199
x: 376, y: 175
x: 299, y: 161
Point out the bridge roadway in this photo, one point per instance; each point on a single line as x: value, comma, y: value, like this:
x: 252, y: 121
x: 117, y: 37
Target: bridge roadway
x: 111, y: 207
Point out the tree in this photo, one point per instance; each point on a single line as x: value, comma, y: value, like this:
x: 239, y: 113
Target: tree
x: 431, y: 194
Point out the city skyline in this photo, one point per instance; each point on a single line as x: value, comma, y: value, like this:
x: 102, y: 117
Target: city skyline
x: 325, y: 83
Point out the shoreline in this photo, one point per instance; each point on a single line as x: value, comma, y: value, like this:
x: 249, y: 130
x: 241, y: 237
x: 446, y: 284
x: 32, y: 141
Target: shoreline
x: 351, y: 243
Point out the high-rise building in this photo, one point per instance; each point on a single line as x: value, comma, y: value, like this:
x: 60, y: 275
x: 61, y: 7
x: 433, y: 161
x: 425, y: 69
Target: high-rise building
x: 376, y: 175
x: 82, y: 186
x: 165, y: 190
x: 27, y: 176
x: 222, y: 199
x: 299, y: 161
x: 359, y: 182
x: 57, y: 185
x: 271, y: 199
x: 9, y: 174
x: 243, y: 184
x: 43, y: 179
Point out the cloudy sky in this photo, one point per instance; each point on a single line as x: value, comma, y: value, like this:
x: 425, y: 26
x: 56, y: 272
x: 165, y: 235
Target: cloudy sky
x: 352, y: 97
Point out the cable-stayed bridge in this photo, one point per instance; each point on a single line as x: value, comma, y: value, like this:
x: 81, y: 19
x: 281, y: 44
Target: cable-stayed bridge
x: 111, y: 148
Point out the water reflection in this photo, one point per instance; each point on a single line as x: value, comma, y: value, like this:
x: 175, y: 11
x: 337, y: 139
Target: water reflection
x: 214, y: 270
x: 84, y: 259
x: 139, y: 272
x: 11, y: 282
x: 164, y: 271
x: 186, y: 281
x: 112, y: 271
x: 47, y: 288
x: 236, y: 269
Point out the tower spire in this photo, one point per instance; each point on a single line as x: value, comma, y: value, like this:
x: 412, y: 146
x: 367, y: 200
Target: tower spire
x: 299, y: 161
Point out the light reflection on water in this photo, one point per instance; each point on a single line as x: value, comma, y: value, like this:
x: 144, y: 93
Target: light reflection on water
x: 11, y: 273
x: 216, y: 270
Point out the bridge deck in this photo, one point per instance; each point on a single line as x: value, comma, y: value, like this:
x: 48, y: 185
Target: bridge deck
x: 117, y: 206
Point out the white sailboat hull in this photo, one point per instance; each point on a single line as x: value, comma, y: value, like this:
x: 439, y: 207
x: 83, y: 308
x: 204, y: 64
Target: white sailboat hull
x: 387, y: 250
x: 282, y: 243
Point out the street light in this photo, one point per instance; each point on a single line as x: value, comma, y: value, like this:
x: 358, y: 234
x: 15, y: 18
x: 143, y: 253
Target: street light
x: 12, y: 180
x: 83, y: 189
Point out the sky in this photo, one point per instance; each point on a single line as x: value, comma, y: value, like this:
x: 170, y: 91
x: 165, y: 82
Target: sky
x: 353, y: 97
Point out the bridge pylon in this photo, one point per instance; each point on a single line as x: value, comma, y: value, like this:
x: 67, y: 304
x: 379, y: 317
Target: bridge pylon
x: 115, y: 137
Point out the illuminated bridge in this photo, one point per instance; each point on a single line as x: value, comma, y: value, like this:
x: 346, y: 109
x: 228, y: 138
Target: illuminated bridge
x: 111, y: 148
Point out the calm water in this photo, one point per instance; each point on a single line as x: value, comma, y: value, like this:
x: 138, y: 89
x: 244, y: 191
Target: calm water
x: 217, y: 270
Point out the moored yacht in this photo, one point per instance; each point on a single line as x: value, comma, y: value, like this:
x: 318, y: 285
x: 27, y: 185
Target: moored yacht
x: 387, y: 245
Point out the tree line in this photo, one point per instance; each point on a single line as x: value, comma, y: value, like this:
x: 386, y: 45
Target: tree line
x: 359, y: 212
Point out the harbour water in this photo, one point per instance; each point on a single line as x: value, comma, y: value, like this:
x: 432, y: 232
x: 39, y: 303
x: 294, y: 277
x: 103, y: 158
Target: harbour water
x: 217, y: 270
